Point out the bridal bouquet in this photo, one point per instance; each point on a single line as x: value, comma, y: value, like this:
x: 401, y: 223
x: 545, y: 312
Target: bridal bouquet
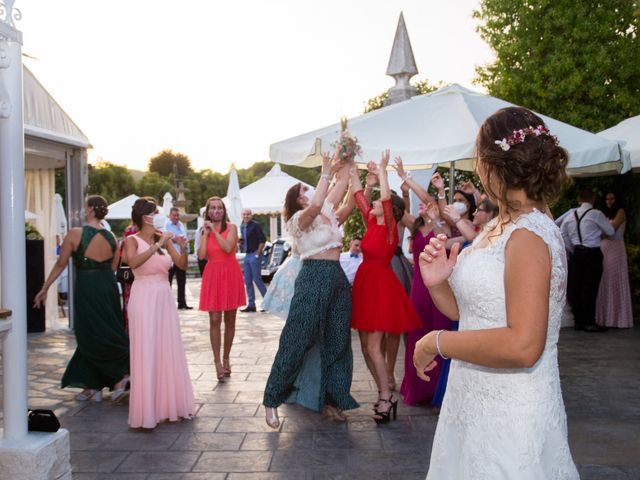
x: 347, y: 146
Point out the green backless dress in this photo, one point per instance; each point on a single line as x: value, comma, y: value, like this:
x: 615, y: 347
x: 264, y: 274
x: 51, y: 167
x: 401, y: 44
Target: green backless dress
x: 101, y: 358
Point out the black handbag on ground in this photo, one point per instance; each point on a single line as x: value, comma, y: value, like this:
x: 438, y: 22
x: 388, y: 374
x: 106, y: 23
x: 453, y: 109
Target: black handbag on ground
x: 40, y: 420
x: 124, y: 274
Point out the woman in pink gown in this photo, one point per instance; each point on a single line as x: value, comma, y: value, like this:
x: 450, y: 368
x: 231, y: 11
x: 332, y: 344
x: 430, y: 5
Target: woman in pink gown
x: 160, y: 383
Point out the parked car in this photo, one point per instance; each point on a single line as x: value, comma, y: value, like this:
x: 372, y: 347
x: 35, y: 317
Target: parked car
x: 273, y: 256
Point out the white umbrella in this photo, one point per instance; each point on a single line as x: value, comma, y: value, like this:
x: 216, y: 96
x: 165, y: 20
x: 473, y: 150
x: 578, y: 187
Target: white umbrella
x: 121, y: 210
x: 233, y: 201
x: 627, y: 133
x: 167, y: 203
x: 440, y: 128
x: 61, y: 225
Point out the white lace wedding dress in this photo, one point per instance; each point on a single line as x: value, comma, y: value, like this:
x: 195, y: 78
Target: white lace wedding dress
x: 503, y: 423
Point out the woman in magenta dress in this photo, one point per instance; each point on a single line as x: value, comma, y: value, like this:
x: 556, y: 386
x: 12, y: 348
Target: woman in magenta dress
x: 222, y: 284
x: 160, y: 382
x: 428, y: 223
x: 380, y: 303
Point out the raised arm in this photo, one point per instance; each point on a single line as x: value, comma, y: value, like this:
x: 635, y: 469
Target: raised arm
x: 329, y: 167
x: 180, y: 259
x: 135, y: 259
x: 422, y: 194
x: 385, y: 191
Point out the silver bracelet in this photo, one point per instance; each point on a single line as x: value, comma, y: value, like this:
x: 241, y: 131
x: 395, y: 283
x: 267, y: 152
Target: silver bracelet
x: 438, y: 345
x: 325, y: 176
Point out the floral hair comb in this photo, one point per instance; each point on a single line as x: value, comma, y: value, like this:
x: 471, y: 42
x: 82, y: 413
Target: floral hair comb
x: 518, y: 136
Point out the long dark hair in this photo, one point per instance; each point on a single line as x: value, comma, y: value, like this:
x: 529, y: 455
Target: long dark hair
x: 291, y: 202
x: 225, y: 218
x: 617, y: 205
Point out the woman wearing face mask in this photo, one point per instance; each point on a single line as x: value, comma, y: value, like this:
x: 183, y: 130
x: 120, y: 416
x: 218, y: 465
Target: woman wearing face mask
x: 459, y: 215
x: 222, y: 284
x: 101, y: 358
x: 160, y: 383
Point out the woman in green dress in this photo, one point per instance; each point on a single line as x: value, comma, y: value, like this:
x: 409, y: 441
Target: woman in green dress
x: 101, y: 358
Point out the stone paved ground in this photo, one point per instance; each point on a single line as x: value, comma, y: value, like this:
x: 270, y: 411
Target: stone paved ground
x: 228, y: 439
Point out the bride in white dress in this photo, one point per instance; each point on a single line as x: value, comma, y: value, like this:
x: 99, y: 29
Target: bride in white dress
x: 503, y: 416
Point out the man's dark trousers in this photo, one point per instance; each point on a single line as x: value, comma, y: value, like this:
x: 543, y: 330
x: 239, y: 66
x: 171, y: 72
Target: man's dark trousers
x: 181, y: 278
x: 586, y: 273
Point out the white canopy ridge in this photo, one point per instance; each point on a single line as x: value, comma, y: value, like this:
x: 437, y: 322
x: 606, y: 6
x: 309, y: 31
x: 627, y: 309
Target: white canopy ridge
x: 439, y: 128
x: 121, y: 210
x: 627, y: 133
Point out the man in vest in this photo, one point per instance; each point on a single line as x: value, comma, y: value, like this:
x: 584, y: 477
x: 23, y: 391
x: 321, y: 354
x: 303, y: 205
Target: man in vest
x: 582, y: 232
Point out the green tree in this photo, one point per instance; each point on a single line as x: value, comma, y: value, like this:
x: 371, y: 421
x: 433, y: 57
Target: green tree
x: 162, y: 163
x: 154, y: 185
x: 113, y: 182
x: 578, y: 62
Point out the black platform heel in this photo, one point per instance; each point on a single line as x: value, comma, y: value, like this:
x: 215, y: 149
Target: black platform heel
x: 384, y: 417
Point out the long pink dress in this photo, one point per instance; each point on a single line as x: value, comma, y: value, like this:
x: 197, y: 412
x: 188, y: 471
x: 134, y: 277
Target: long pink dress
x: 160, y: 383
x: 613, y: 306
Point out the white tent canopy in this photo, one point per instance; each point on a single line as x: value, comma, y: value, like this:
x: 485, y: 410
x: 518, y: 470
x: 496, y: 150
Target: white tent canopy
x: 266, y: 196
x: 439, y: 128
x: 121, y: 210
x: 627, y: 133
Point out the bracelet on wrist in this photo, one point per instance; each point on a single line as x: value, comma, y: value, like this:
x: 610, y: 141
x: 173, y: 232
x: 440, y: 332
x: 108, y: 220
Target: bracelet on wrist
x: 444, y: 357
x: 457, y: 220
x: 439, y: 223
x: 441, y: 196
x: 325, y: 176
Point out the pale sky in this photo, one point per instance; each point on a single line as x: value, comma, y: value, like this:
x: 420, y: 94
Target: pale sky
x: 221, y: 81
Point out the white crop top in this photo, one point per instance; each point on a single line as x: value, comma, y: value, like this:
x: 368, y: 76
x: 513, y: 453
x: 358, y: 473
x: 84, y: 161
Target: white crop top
x: 319, y: 236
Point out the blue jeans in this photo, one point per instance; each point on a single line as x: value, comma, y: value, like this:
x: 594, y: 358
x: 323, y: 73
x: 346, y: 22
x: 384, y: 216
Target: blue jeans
x: 251, y: 267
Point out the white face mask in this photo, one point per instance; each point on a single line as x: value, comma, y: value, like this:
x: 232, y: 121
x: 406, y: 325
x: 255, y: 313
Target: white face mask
x: 460, y: 207
x: 158, y: 221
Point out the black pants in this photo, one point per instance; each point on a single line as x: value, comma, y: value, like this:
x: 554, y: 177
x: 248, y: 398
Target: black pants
x: 201, y: 265
x: 181, y: 278
x: 585, y: 271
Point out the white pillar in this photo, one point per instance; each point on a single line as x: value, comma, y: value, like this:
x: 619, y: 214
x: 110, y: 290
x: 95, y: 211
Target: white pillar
x: 273, y: 227
x: 12, y: 239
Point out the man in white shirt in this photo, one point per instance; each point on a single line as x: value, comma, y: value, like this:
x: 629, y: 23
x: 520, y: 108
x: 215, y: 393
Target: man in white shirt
x: 175, y: 226
x: 351, y: 260
x: 582, y: 232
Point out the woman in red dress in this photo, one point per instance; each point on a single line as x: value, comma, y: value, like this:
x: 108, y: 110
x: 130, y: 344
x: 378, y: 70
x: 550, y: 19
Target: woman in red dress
x: 380, y: 303
x: 222, y: 284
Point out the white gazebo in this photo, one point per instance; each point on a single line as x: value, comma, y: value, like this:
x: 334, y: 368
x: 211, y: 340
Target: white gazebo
x: 627, y: 133
x: 121, y: 209
x: 36, y: 135
x: 266, y: 196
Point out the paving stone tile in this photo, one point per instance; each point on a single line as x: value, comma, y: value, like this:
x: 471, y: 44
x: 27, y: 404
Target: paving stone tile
x: 314, y: 460
x: 96, y: 461
x: 187, y: 476
x: 277, y: 441
x: 141, y: 439
x: 299, y: 475
x: 244, y: 461
x: 347, y: 440
x: 246, y: 424
x: 208, y: 441
x: 228, y: 410
x: 110, y: 476
x: 162, y: 462
x: 88, y: 441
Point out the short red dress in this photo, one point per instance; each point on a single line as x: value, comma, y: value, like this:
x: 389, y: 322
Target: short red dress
x: 380, y: 303
x: 222, y: 283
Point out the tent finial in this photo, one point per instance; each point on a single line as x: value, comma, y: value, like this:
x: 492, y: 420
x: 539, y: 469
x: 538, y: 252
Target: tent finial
x: 402, y: 66
x: 343, y: 123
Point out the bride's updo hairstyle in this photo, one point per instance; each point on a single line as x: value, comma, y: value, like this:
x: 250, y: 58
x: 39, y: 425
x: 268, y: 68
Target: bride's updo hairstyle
x: 516, y: 151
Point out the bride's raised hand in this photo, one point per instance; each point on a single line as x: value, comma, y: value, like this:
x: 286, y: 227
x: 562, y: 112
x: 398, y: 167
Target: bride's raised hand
x: 435, y: 267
